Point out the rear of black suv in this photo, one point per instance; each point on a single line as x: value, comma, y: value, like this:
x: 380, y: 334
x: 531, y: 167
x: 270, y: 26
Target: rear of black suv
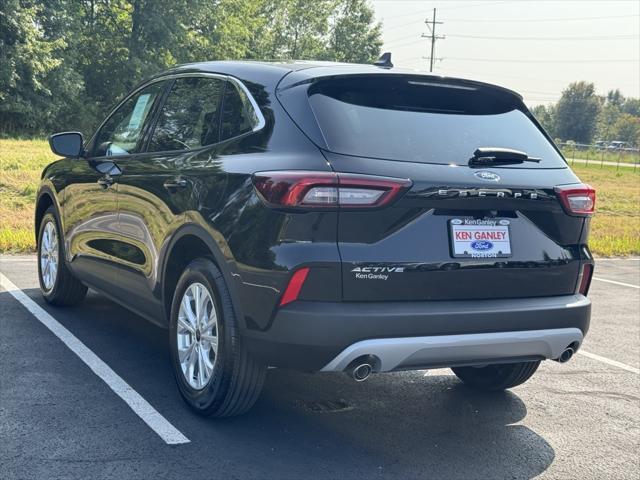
x: 461, y: 232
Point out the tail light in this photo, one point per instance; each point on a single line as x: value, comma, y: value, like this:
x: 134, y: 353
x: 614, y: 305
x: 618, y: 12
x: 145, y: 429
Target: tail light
x: 295, y: 285
x: 577, y: 199
x: 585, y: 278
x: 303, y: 189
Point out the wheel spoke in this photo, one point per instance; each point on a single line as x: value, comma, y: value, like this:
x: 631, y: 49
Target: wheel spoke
x: 212, y: 341
x: 206, y: 361
x: 191, y: 364
x: 46, y: 242
x: 186, y: 308
x: 201, y: 367
x: 212, y: 320
x: 185, y: 353
x: 182, y: 323
x: 197, y: 298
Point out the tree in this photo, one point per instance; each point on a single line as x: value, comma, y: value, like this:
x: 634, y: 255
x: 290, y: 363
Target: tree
x: 627, y: 129
x: 632, y: 106
x: 577, y: 112
x: 354, y: 37
x: 546, y: 116
x: 26, y: 59
x: 64, y: 63
x: 615, y: 97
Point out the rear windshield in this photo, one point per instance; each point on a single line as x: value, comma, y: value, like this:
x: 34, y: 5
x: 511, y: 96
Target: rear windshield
x: 412, y: 119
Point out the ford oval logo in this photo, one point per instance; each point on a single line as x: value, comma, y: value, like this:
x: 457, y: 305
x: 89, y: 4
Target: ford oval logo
x: 487, y: 175
x: 481, y: 245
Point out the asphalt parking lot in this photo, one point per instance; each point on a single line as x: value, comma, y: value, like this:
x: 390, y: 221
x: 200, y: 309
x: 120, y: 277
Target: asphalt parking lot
x: 59, y: 419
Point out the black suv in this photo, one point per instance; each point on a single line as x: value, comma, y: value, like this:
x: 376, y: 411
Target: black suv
x: 323, y: 217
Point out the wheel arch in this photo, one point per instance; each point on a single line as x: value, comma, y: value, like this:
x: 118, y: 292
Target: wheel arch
x: 46, y: 199
x: 188, y: 243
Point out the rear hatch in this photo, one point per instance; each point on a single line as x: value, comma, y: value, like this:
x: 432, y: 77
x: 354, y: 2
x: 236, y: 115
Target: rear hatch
x: 496, y: 229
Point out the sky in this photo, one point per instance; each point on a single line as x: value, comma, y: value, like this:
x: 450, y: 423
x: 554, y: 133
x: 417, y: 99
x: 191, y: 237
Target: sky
x: 534, y: 47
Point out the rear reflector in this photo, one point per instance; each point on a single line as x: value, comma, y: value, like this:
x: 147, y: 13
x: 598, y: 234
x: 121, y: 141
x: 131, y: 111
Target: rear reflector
x: 294, y: 287
x: 577, y: 200
x: 585, y: 278
x: 303, y: 189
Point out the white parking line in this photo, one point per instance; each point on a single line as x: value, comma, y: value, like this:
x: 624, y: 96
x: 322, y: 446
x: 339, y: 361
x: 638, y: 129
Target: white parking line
x: 615, y: 283
x: 608, y: 361
x: 136, y: 402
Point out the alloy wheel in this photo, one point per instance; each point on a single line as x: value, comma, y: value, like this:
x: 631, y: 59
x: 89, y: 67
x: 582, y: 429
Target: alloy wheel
x: 197, y: 335
x: 49, y: 256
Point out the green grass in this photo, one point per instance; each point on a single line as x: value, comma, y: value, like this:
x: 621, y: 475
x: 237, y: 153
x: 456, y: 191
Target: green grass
x: 615, y: 228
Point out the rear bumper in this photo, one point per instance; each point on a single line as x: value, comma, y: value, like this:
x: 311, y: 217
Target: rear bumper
x: 459, y: 350
x: 314, y: 336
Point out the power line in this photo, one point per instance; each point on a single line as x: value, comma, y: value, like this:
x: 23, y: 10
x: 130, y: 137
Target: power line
x: 424, y: 12
x: 598, y: 38
x: 432, y: 27
x: 571, y: 60
x: 529, y: 20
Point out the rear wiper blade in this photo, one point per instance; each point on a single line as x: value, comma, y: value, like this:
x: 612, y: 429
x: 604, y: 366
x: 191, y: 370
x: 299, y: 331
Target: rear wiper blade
x: 504, y: 156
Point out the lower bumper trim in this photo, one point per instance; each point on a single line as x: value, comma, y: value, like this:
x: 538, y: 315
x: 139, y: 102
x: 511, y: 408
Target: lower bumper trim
x: 458, y: 350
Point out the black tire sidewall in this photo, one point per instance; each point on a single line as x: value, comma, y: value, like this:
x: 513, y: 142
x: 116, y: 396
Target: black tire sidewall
x: 51, y: 216
x: 210, y: 397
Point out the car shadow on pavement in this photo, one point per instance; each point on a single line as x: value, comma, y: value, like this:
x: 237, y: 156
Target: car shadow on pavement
x: 399, y: 425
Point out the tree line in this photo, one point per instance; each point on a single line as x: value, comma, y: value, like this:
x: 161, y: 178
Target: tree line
x: 63, y: 63
x: 584, y: 117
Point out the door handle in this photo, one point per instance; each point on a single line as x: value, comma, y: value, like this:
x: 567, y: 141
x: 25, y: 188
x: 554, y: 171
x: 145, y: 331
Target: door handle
x: 106, y: 181
x: 175, y: 184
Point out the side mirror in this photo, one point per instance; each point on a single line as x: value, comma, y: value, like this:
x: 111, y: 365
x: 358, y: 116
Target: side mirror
x: 67, y: 144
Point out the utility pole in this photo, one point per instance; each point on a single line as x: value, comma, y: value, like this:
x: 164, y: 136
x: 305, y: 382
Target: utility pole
x: 431, y: 25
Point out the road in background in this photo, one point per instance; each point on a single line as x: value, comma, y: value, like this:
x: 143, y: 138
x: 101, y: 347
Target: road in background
x: 59, y: 420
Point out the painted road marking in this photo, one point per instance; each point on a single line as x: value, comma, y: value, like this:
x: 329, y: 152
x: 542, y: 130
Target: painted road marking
x: 609, y: 362
x: 614, y: 282
x: 136, y: 402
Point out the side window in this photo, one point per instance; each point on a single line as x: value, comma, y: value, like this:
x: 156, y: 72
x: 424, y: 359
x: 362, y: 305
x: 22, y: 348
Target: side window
x: 238, y: 115
x: 190, y: 117
x: 121, y: 133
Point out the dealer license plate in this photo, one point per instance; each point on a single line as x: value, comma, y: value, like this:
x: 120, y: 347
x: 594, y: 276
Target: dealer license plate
x: 474, y: 238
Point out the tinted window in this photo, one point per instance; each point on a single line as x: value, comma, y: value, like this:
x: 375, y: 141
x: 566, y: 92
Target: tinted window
x: 122, y: 132
x: 190, y: 117
x: 412, y: 119
x: 238, y: 115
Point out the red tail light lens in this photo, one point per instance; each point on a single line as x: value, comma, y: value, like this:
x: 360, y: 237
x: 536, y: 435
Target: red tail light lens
x: 301, y: 189
x: 295, y: 285
x: 585, y: 278
x: 577, y: 200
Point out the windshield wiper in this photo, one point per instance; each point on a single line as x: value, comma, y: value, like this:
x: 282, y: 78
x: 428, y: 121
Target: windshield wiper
x: 501, y: 156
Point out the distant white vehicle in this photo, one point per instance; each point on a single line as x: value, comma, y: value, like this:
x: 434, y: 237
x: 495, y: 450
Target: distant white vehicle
x: 618, y: 145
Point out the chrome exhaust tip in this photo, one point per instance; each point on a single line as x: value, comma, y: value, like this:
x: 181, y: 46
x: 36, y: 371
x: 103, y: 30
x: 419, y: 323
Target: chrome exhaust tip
x: 565, y: 356
x: 362, y: 367
x: 361, y: 372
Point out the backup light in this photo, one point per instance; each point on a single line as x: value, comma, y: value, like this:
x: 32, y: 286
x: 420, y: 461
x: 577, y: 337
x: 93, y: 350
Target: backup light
x: 579, y: 200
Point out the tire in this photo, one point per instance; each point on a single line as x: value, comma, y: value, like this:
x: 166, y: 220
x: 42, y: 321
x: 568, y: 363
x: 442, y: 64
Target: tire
x: 235, y: 379
x: 497, y: 377
x: 58, y: 286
